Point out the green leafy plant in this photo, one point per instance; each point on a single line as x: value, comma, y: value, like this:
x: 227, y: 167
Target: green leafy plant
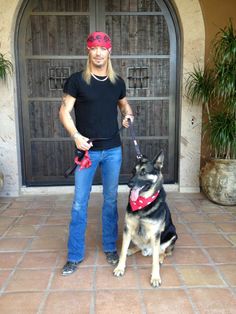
x: 6, y: 67
x: 214, y: 86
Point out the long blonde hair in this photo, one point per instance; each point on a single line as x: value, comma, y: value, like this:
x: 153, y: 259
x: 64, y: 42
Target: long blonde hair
x: 110, y: 72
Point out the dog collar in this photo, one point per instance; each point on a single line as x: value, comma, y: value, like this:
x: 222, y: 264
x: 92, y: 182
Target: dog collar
x: 142, y: 202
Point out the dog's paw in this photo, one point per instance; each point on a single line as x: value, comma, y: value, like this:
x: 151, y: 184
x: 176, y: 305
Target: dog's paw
x: 155, y: 281
x: 118, y: 271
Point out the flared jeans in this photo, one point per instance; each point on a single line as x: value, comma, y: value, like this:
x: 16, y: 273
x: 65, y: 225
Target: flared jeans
x: 109, y: 161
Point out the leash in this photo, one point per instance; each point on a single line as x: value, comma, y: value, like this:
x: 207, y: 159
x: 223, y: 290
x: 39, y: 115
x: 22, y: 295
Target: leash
x: 136, y: 146
x: 80, y: 154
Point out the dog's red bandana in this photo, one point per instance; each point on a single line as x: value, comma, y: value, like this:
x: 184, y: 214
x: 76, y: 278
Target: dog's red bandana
x: 85, y: 162
x: 142, y: 202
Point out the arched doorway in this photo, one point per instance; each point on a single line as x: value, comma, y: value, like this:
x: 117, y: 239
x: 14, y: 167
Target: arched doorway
x: 52, y: 45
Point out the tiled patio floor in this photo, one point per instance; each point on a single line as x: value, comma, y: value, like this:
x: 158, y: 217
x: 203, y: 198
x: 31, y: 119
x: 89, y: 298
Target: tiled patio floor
x: 200, y: 277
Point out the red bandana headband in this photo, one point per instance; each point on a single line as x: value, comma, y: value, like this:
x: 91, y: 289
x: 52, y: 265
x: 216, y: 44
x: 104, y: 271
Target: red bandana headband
x: 99, y: 39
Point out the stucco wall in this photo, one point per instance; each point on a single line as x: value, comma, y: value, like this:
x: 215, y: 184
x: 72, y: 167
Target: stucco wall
x: 9, y: 143
x: 193, y: 39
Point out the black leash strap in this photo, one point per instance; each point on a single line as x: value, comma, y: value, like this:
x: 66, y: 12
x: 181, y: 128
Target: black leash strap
x: 136, y: 146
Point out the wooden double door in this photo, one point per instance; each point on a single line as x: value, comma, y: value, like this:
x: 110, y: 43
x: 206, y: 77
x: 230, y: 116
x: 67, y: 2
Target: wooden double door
x: 51, y: 45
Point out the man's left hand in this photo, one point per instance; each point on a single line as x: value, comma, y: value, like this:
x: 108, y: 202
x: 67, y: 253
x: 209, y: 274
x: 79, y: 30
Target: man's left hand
x: 128, y: 118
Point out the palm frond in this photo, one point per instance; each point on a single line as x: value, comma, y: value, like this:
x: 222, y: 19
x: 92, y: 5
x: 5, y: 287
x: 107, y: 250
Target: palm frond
x: 6, y: 67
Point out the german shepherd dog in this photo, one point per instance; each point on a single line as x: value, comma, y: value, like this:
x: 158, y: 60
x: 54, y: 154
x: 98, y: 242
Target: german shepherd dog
x: 148, y: 222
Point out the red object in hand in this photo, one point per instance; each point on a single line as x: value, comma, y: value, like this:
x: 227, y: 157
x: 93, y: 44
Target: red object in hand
x: 85, y: 162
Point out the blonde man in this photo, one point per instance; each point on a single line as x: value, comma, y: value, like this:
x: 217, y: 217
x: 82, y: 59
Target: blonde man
x: 95, y: 94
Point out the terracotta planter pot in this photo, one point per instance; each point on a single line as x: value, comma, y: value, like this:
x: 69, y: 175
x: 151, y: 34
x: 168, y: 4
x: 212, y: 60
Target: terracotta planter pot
x: 218, y: 181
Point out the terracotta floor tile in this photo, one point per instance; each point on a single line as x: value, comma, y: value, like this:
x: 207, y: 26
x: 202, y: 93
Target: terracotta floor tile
x: 3, y: 229
x: 22, y: 231
x: 117, y: 302
x: 48, y: 243
x: 167, y: 301
x: 213, y: 240
x: 215, y: 300
x: 199, y: 276
x: 185, y: 206
x: 193, y: 217
x: 232, y: 238
x: 20, y: 204
x: 38, y: 211
x: 227, y: 227
x: 223, y: 255
x: 57, y: 220
x: 39, y: 260
x: 14, y: 212
x: 229, y: 273
x: 28, y: 280
x: 52, y: 230
x: 211, y: 208
x: 7, y: 221
x: 31, y: 220
x: 3, y: 276
x: 68, y: 302
x: 80, y: 280
x: 106, y: 280
x: 9, y: 260
x: 20, y: 303
x: 203, y: 227
x: 169, y: 277
x: 190, y: 256
x: 61, y: 212
x: 42, y: 203
x: 13, y: 244
x: 181, y: 228
x: 185, y: 239
x: 220, y: 218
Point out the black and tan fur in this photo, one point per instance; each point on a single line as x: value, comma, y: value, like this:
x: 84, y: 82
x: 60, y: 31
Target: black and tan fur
x: 150, y: 229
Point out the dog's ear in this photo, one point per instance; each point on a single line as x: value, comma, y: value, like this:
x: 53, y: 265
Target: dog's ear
x: 158, y: 160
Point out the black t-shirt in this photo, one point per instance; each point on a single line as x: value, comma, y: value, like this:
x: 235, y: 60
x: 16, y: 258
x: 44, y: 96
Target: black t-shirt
x: 96, y: 108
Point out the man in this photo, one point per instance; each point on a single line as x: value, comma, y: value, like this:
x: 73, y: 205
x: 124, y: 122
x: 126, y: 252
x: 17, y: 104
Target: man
x: 95, y: 94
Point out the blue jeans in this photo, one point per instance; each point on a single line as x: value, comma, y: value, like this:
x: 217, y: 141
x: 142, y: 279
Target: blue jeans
x: 110, y: 162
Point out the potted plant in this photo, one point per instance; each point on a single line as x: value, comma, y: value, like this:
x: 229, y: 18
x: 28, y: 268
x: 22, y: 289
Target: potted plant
x: 5, y: 67
x: 214, y: 86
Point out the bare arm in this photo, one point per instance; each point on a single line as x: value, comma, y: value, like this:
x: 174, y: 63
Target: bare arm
x: 67, y: 104
x: 126, y: 111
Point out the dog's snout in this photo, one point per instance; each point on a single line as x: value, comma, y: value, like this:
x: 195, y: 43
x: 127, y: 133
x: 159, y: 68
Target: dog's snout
x: 131, y: 183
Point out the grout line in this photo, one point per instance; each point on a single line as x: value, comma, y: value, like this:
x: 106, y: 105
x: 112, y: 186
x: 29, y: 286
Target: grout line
x: 47, y: 290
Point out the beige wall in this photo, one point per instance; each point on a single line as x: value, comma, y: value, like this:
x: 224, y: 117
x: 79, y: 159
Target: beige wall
x: 216, y: 14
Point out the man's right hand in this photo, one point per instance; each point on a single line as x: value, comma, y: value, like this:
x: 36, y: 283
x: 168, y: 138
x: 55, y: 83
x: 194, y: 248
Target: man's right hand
x: 81, y: 142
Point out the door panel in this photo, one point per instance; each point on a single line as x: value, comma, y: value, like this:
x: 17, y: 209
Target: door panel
x: 52, y: 45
